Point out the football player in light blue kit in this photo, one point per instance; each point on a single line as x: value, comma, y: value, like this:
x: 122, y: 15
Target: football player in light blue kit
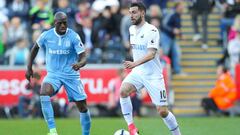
x: 65, y: 55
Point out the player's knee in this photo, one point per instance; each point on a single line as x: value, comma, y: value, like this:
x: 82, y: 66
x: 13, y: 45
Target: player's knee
x: 125, y: 90
x: 46, y: 90
x: 163, y: 111
x: 82, y: 109
x: 82, y: 106
x: 124, y: 93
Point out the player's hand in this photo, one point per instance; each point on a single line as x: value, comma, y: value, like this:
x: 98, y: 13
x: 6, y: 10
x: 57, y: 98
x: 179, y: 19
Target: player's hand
x: 128, y: 64
x: 29, y: 74
x: 176, y: 31
x: 76, y: 66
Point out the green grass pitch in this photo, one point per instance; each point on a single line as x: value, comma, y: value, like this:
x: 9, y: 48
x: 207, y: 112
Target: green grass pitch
x: 107, y: 126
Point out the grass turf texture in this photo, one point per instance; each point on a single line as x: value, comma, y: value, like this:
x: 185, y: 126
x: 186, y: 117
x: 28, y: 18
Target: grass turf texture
x: 107, y: 126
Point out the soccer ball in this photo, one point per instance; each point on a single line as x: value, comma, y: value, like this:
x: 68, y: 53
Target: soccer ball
x: 121, y: 132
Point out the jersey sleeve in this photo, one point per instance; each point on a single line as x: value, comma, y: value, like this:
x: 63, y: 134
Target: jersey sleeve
x: 41, y: 40
x: 153, y: 39
x: 78, y: 45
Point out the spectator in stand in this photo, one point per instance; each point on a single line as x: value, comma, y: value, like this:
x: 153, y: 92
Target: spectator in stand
x: 233, y: 30
x: 65, y: 6
x: 103, y: 28
x: 16, y: 31
x: 234, y: 52
x: 41, y: 15
x: 19, y: 8
x: 171, y: 25
x: 19, y: 53
x: 4, y: 24
x: 98, y: 6
x: 124, y: 29
x: 3, y: 7
x: 48, y: 3
x: 161, y: 3
x: 223, y: 96
x: 116, y: 18
x: 40, y: 58
x: 98, y: 31
x: 108, y: 26
x: 156, y: 21
x: 83, y: 11
x: 202, y: 8
x: 84, y: 30
x: 230, y: 10
x: 154, y: 11
x: 231, y: 35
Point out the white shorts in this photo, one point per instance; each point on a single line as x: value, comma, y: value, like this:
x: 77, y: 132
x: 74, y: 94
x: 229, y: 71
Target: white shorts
x: 155, y: 87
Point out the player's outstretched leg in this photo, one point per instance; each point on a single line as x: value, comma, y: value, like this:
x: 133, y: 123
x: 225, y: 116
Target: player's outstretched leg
x: 48, y: 114
x: 85, y: 118
x: 47, y: 109
x: 126, y: 106
x: 170, y: 120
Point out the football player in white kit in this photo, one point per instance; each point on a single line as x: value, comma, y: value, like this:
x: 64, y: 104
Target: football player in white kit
x: 146, y: 70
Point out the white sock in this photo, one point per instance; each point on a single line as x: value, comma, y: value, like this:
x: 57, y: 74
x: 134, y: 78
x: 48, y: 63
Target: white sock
x: 172, y: 124
x: 126, y: 107
x: 53, y: 130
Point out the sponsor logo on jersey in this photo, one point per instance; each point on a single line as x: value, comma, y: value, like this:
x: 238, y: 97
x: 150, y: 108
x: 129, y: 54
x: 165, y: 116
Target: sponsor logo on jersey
x: 58, y: 52
x: 138, y: 47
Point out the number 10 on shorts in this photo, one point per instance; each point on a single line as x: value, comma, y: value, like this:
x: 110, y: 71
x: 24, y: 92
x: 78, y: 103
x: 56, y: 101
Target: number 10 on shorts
x: 163, y: 96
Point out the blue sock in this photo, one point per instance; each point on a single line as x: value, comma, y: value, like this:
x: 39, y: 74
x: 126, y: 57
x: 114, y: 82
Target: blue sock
x: 85, y: 120
x: 47, y: 111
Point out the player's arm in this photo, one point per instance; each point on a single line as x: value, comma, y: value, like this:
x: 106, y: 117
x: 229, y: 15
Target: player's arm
x: 33, y: 54
x: 82, y: 60
x: 80, y: 50
x: 149, y: 56
x: 152, y: 45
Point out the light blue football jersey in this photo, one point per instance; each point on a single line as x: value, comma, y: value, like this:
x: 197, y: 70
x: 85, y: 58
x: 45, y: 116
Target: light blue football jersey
x: 61, y: 52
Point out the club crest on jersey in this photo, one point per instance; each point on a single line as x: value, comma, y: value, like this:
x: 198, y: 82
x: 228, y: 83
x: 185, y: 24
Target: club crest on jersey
x: 152, y: 41
x: 142, y: 36
x: 67, y: 43
x: 154, y: 30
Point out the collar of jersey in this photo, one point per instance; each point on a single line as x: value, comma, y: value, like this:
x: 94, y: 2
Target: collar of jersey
x: 60, y: 35
x: 137, y: 27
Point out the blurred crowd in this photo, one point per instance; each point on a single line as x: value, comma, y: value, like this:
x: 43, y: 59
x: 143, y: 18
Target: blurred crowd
x: 102, y: 25
x: 230, y: 34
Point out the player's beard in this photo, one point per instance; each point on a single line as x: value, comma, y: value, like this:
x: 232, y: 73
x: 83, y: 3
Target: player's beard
x: 138, y: 21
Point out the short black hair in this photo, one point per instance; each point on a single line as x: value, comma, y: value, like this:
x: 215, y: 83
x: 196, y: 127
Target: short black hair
x: 140, y: 6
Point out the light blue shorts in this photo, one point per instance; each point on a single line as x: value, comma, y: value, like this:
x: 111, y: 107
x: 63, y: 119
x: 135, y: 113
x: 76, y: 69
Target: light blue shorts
x: 74, y: 87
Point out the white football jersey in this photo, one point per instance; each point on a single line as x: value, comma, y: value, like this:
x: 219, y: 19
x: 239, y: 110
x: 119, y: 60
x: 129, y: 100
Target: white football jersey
x: 147, y: 36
